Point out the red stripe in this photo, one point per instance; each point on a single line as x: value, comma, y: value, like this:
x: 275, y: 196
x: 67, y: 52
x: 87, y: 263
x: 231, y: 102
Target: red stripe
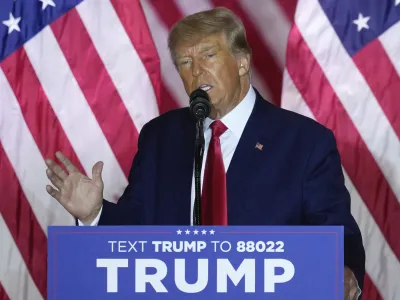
x: 3, y: 294
x: 134, y: 21
x: 21, y: 221
x: 369, y: 290
x: 382, y: 78
x: 289, y: 7
x: 167, y: 102
x: 167, y: 11
x: 36, y: 109
x: 263, y: 61
x: 97, y: 86
x: 356, y: 158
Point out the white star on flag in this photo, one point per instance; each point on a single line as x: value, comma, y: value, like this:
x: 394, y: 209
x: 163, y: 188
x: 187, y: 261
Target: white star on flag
x: 12, y: 23
x: 187, y: 231
x: 179, y: 231
x: 204, y: 231
x: 397, y: 2
x: 212, y: 231
x: 46, y: 3
x: 195, y: 231
x: 361, y: 22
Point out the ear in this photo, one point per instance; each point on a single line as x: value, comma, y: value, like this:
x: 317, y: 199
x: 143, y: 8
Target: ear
x: 243, y: 64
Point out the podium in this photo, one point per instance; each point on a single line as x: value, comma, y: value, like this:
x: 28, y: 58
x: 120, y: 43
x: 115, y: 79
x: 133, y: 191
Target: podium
x: 190, y: 262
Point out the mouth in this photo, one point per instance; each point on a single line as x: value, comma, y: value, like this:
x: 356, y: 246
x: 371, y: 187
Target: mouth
x: 205, y: 87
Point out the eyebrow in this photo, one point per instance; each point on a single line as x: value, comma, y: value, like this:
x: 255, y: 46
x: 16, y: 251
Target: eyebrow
x: 202, y: 50
x: 207, y: 48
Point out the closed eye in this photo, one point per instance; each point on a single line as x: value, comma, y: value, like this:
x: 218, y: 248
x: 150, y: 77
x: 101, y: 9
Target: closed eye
x: 184, y: 62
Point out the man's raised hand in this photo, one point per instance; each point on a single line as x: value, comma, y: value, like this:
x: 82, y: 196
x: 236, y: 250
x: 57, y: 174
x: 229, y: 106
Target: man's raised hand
x: 81, y: 196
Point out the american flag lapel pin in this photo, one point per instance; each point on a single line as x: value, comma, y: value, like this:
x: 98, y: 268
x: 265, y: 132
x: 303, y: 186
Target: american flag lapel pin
x: 259, y: 146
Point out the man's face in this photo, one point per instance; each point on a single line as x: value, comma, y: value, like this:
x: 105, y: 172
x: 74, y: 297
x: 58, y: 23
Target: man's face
x: 210, y: 65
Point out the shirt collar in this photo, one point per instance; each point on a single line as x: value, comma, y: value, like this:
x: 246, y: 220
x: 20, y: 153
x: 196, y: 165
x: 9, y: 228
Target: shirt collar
x: 237, y: 118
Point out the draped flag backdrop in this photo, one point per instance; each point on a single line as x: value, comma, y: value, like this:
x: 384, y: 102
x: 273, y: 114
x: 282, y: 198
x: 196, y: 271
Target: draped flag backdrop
x: 84, y: 76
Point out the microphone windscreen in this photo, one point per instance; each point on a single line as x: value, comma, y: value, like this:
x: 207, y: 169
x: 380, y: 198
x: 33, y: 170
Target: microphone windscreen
x: 199, y: 93
x: 200, y: 106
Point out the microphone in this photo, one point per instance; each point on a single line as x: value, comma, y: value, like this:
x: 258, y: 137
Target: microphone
x: 200, y: 106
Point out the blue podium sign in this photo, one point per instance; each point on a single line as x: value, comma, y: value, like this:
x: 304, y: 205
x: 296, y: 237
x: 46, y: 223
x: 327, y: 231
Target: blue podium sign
x: 206, y: 262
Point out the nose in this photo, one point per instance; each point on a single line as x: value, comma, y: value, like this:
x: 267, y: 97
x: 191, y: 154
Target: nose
x: 196, y: 68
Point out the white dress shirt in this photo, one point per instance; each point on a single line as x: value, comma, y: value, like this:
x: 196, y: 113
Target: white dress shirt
x: 235, y: 121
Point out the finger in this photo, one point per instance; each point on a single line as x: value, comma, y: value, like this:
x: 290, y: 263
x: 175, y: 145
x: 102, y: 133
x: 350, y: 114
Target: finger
x: 55, y: 180
x: 96, y: 173
x: 346, y: 293
x: 66, y: 162
x: 53, y: 192
x: 355, y: 292
x: 56, y: 169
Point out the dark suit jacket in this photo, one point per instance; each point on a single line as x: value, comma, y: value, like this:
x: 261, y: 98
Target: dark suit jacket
x: 295, y: 180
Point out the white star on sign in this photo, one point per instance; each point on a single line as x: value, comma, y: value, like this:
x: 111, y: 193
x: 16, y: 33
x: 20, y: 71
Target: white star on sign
x: 12, y: 23
x: 397, y: 2
x: 179, y: 231
x: 361, y: 22
x: 187, y: 231
x: 212, y: 231
x: 204, y: 231
x: 195, y: 231
x: 46, y: 3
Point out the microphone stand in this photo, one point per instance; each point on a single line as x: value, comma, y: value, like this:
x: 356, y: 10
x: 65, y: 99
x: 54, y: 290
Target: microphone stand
x: 200, y: 108
x: 198, y: 158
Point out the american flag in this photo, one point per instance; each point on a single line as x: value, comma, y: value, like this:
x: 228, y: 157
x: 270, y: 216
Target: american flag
x: 84, y: 76
x: 342, y: 69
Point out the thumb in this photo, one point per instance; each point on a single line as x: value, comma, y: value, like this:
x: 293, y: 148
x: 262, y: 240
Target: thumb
x: 96, y: 173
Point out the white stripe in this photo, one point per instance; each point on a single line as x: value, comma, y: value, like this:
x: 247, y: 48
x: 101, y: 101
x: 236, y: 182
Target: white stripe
x: 188, y: 7
x: 73, y: 111
x: 169, y: 73
x: 352, y: 89
x: 14, y: 275
x: 121, y: 60
x: 391, y: 44
x: 292, y: 99
x: 27, y: 161
x: 382, y: 265
x: 271, y: 24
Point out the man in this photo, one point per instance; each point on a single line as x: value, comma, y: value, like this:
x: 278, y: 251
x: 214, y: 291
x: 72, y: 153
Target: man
x: 282, y: 168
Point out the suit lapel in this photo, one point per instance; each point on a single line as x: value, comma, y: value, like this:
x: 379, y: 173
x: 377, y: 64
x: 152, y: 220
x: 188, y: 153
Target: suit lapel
x: 252, y: 148
x: 184, y: 163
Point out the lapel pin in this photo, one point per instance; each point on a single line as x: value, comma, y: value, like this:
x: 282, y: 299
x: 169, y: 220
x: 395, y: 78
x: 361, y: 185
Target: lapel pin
x: 259, y: 146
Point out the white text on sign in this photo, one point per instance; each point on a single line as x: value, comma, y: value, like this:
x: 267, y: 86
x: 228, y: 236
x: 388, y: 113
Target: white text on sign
x: 197, y: 246
x: 246, y: 271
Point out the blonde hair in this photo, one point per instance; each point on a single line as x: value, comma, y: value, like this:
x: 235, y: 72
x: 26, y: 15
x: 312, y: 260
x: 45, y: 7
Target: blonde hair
x: 197, y: 26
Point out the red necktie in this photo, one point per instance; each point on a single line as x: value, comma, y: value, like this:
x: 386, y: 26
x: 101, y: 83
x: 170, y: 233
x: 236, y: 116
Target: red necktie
x: 214, y: 203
